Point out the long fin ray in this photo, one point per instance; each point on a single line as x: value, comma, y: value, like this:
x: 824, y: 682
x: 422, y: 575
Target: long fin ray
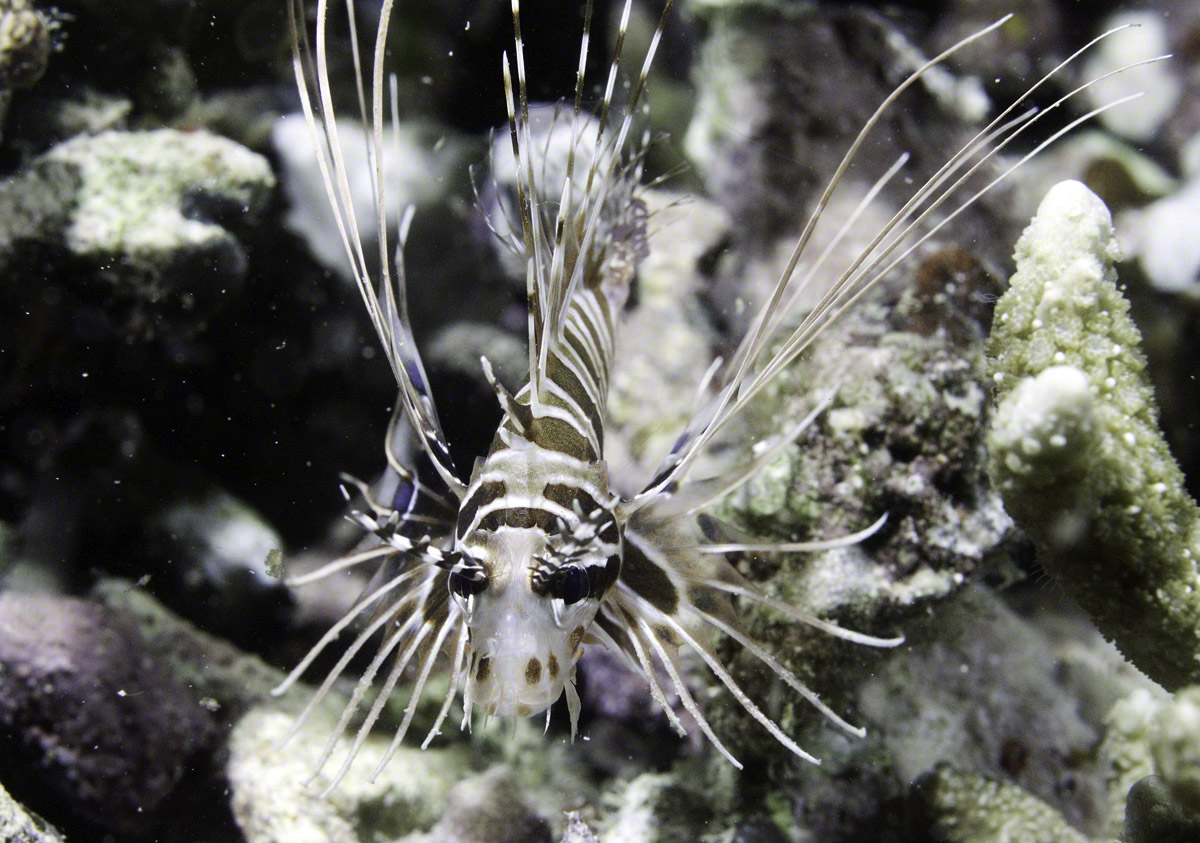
x: 389, y: 316
x: 737, y: 385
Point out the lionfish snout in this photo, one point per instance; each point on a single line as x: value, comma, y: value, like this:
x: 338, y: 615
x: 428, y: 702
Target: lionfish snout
x: 508, y: 685
x: 518, y: 672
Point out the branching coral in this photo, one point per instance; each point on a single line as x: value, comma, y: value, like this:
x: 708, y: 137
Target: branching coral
x: 1075, y: 449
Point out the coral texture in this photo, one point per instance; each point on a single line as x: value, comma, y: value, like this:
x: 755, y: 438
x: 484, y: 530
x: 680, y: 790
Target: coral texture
x: 973, y: 809
x: 24, y: 44
x: 1075, y: 449
x: 1152, y: 751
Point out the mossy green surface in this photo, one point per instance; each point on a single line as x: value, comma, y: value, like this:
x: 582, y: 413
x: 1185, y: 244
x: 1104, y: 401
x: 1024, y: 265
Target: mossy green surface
x: 24, y: 44
x: 1153, y: 816
x: 134, y: 186
x: 901, y: 436
x: 1152, y: 751
x: 1175, y: 745
x: 970, y: 808
x: 1125, y: 750
x: 1075, y: 449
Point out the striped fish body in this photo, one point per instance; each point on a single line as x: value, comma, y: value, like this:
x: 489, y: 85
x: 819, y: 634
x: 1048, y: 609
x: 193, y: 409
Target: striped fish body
x: 538, y: 533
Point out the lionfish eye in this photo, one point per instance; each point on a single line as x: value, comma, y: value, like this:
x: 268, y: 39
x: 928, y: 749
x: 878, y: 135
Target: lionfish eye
x: 569, y: 584
x: 464, y: 585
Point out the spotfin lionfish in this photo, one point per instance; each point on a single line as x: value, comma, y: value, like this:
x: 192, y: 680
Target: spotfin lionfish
x: 510, y: 573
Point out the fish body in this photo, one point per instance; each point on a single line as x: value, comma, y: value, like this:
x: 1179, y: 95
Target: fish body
x: 508, y: 574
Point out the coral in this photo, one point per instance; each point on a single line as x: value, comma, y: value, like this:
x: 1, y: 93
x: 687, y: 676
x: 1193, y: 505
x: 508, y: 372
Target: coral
x: 902, y: 436
x: 24, y: 44
x: 1175, y: 745
x: 1158, y: 88
x: 655, y: 808
x: 665, y: 341
x: 140, y: 209
x: 974, y: 688
x: 142, y: 196
x: 19, y: 826
x: 969, y: 808
x: 1125, y: 750
x: 490, y: 806
x: 271, y: 802
x: 1161, y: 238
x: 1121, y: 175
x: 759, y: 137
x: 456, y: 350
x: 413, y: 173
x: 214, y: 549
x: 577, y: 830
x: 1152, y: 751
x: 24, y: 49
x: 1153, y: 816
x: 1075, y: 449
x: 109, y: 239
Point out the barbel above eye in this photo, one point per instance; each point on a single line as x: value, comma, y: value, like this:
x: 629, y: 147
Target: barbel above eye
x: 570, y: 584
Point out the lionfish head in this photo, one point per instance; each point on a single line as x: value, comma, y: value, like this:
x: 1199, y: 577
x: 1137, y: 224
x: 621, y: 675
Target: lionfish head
x: 528, y: 602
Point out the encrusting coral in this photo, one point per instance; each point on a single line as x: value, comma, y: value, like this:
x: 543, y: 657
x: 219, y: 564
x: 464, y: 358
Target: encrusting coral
x: 1152, y: 751
x: 969, y: 808
x: 25, y: 45
x: 1075, y: 450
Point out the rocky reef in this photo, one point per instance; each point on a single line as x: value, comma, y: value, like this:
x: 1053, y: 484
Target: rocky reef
x: 186, y: 372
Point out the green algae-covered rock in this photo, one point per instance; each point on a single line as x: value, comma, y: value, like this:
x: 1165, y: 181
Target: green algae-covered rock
x: 1125, y: 750
x: 654, y: 808
x: 1075, y: 449
x: 982, y: 687
x: 24, y: 44
x: 1175, y: 744
x: 153, y: 214
x: 1153, y: 816
x: 272, y: 802
x: 139, y: 192
x: 969, y: 808
x: 1152, y: 750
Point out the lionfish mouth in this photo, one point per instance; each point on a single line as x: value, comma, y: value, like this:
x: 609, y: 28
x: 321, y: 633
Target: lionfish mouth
x: 514, y: 686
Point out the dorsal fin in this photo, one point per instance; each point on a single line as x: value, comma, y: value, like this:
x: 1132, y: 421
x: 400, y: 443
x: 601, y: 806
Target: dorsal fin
x: 573, y: 250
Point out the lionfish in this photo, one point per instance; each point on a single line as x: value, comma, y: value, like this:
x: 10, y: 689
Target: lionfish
x: 509, y: 574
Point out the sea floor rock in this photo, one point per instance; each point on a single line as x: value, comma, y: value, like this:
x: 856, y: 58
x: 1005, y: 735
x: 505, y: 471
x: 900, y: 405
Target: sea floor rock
x: 217, y: 675
x: 273, y: 800
x: 969, y: 808
x: 982, y: 689
x: 17, y: 825
x: 96, y: 731
x: 148, y: 212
